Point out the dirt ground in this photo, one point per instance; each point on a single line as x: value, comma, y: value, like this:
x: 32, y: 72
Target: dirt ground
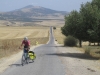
x: 7, y: 61
x: 78, y: 63
x: 75, y: 61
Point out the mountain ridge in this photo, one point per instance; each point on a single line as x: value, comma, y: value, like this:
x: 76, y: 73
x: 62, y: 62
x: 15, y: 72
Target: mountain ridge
x: 30, y: 12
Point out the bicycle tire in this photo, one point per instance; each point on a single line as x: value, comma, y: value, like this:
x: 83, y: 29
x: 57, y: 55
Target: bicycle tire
x: 27, y: 60
x: 23, y: 60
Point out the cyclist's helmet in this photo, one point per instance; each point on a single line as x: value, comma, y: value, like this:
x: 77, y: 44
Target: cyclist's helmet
x: 26, y: 38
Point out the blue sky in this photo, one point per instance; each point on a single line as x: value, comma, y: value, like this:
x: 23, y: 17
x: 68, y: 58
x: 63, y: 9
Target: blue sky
x: 62, y: 5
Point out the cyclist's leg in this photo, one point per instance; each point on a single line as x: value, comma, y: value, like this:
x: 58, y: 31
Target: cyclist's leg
x: 27, y: 59
x: 25, y: 54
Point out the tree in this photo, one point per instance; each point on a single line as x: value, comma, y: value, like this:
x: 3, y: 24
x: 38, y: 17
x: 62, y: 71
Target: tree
x: 84, y: 25
x: 96, y: 6
x: 91, y: 19
x: 73, y: 26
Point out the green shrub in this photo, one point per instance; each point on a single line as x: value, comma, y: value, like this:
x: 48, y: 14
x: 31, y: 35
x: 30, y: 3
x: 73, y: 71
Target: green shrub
x: 54, y: 28
x: 70, y: 41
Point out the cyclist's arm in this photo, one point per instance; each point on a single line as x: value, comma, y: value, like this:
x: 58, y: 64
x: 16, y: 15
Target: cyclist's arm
x: 21, y: 45
x: 29, y: 44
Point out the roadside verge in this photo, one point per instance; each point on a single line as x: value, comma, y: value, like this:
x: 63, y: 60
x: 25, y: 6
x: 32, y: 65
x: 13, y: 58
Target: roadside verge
x: 76, y: 62
x: 6, y: 61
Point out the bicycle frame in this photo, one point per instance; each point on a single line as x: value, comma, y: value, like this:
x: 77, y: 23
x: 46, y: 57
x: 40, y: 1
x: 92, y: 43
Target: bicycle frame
x: 24, y: 59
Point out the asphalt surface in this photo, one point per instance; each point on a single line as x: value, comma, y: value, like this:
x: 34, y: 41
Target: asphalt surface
x: 44, y: 64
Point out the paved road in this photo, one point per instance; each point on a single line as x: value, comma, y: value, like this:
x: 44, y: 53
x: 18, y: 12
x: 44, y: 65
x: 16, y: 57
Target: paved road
x: 45, y: 63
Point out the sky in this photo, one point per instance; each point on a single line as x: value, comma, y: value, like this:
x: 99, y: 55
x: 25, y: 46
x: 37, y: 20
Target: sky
x: 60, y: 5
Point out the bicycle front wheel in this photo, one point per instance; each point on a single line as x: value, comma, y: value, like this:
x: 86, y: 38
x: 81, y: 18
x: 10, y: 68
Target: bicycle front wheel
x: 23, y: 60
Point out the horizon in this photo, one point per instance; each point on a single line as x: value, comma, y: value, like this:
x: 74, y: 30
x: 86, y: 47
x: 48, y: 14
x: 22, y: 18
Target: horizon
x: 38, y: 7
x: 65, y: 5
x: 33, y: 6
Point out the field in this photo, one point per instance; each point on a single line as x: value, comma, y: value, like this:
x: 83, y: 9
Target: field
x: 58, y: 35
x: 55, y: 22
x: 94, y: 51
x: 13, y: 32
x: 11, y: 37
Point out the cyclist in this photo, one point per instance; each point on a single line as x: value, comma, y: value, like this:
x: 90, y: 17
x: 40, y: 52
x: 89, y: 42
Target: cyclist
x: 26, y: 44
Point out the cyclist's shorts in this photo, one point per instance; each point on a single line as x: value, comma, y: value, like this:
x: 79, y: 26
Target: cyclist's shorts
x: 25, y: 51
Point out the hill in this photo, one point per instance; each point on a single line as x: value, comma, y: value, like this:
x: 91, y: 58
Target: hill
x: 30, y: 13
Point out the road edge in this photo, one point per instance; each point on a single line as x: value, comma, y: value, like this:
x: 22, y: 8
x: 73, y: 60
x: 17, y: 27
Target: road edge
x: 5, y: 62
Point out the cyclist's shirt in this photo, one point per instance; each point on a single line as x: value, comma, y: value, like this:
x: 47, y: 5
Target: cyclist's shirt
x: 26, y: 43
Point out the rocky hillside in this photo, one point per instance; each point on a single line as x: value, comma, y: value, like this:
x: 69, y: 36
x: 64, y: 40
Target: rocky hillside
x: 32, y: 12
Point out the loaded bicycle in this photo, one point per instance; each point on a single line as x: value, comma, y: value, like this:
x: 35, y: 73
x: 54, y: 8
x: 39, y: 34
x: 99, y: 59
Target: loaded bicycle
x: 27, y: 56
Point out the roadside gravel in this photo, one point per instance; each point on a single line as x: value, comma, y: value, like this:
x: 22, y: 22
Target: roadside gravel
x: 7, y: 61
x: 75, y: 61
x: 78, y: 63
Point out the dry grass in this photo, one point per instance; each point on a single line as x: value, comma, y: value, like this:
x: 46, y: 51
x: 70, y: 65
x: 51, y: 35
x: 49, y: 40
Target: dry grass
x: 94, y: 51
x: 59, y: 36
x: 20, y: 32
x: 11, y: 38
x: 7, y: 47
x: 43, y: 23
x: 56, y: 23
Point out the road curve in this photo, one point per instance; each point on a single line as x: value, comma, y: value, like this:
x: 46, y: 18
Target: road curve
x: 45, y: 63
